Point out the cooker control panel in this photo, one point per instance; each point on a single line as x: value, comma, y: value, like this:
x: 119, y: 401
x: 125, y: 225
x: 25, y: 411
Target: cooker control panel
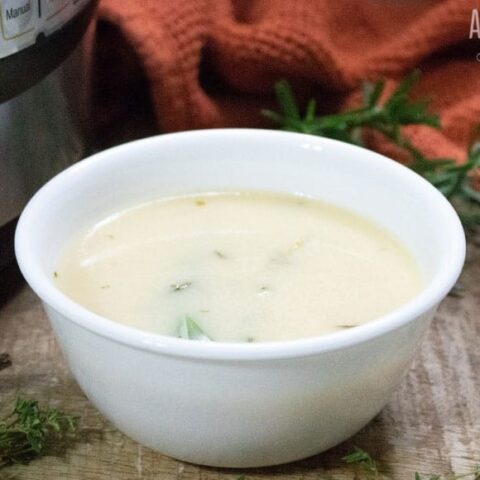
x: 22, y: 22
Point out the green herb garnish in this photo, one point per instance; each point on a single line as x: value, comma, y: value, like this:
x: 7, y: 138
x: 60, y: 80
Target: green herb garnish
x: 362, y: 459
x: 29, y: 432
x: 189, y: 330
x: 388, y: 118
x: 176, y: 287
x: 473, y: 475
x: 369, y: 468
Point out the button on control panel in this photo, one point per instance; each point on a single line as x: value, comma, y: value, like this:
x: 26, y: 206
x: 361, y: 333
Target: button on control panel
x: 17, y: 17
x: 22, y: 21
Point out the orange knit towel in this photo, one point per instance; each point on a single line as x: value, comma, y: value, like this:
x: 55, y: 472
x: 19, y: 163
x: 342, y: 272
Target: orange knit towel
x: 213, y: 63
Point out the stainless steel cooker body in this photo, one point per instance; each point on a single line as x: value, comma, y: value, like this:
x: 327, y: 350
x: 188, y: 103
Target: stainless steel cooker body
x: 44, y: 69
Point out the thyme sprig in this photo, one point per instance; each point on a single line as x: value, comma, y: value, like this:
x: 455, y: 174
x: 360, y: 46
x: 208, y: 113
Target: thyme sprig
x: 388, y: 117
x: 366, y: 468
x: 362, y: 459
x: 29, y: 432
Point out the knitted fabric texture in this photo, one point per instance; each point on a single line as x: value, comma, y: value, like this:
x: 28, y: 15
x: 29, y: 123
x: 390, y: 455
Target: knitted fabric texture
x: 213, y: 63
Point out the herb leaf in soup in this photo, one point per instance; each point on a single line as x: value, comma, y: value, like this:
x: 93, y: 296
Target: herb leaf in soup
x: 189, y: 330
x: 176, y: 287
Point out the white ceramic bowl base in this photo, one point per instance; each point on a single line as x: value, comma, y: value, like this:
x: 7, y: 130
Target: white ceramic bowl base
x: 240, y: 405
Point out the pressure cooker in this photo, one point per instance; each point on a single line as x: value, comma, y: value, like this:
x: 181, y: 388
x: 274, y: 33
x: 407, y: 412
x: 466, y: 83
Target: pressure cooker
x: 44, y: 90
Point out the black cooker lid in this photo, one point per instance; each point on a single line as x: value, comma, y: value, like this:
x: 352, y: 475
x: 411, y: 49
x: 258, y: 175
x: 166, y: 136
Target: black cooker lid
x: 26, y: 67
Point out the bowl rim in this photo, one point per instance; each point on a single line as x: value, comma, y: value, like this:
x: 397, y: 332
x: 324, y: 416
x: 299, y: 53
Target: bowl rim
x: 434, y: 292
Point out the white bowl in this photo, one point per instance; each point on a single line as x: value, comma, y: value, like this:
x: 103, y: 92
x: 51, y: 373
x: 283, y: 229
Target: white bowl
x: 240, y: 405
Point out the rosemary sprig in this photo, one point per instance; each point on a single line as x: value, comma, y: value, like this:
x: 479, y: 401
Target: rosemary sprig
x: 388, y: 118
x: 29, y: 432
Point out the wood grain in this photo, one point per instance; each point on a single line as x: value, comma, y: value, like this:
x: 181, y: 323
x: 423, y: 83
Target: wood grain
x: 432, y: 423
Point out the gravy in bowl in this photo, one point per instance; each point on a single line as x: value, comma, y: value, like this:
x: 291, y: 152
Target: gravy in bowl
x: 238, y: 267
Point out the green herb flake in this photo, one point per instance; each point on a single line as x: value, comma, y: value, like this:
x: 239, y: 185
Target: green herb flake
x: 55, y: 274
x: 264, y: 290
x: 176, y: 287
x: 219, y: 254
x: 200, y: 203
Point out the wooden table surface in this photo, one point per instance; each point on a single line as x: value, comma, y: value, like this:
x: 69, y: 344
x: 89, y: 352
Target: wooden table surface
x: 431, y: 424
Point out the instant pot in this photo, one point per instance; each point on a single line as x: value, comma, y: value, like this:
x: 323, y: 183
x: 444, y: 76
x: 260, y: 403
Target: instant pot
x: 44, y: 81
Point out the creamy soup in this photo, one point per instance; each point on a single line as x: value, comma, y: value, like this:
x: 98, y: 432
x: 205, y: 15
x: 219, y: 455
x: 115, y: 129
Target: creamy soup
x: 238, y: 267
